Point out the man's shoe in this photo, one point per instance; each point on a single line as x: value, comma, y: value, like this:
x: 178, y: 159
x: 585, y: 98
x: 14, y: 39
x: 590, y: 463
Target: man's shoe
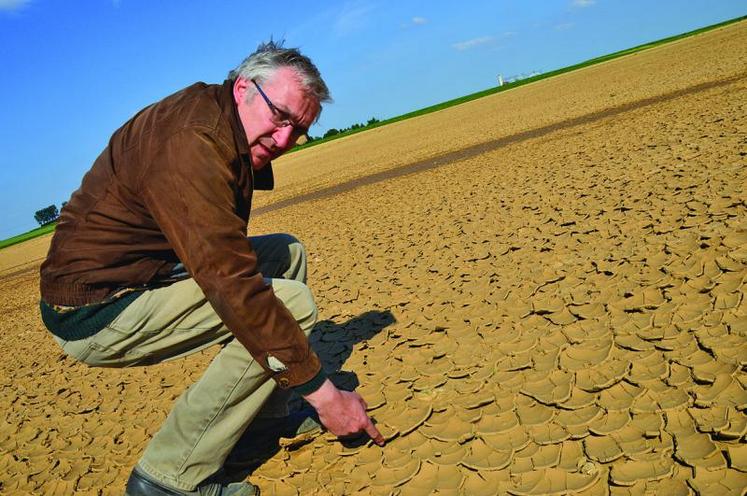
x: 140, y: 484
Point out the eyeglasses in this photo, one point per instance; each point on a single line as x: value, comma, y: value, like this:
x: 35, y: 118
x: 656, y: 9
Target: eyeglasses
x: 299, y: 135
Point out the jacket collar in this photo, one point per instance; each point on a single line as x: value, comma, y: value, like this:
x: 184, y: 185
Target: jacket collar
x: 263, y: 178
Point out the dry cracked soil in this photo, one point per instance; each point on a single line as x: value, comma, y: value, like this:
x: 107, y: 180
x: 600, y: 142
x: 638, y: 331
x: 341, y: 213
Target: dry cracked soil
x: 539, y: 292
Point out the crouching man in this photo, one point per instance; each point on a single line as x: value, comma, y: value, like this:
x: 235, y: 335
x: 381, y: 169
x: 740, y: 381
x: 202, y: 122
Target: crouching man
x: 150, y: 262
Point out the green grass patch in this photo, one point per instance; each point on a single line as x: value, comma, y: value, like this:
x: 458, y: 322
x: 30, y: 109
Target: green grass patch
x: 34, y: 233
x: 516, y: 84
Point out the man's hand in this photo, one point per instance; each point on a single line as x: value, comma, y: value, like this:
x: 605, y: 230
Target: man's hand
x: 343, y: 413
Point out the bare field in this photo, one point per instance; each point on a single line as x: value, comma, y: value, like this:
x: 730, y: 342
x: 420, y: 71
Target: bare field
x: 560, y: 310
x: 652, y: 73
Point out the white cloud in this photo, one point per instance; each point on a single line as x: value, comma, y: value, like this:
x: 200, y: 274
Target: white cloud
x: 13, y: 5
x: 583, y: 3
x: 419, y: 20
x: 352, y: 17
x: 466, y: 45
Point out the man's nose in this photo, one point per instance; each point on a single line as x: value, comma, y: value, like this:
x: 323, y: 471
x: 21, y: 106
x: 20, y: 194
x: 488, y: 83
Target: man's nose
x: 283, y: 137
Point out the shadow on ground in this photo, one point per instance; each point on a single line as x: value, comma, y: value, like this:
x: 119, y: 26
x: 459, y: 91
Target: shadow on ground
x: 334, y: 343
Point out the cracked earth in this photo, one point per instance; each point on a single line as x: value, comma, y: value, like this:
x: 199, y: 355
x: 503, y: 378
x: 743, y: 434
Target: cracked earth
x: 539, y: 292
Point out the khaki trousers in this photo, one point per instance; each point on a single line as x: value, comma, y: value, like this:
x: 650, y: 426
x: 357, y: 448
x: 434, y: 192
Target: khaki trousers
x: 175, y: 321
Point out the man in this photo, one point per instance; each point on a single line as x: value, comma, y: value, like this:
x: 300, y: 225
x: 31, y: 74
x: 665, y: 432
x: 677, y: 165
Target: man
x: 150, y: 262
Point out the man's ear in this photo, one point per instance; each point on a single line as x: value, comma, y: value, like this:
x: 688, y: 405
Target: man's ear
x: 240, y: 87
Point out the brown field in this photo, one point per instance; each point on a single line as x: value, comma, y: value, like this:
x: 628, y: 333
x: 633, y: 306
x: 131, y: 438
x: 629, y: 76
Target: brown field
x: 539, y: 292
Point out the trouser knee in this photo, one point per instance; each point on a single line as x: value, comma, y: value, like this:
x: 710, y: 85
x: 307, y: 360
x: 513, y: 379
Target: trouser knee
x: 309, y: 313
x: 297, y: 265
x: 280, y: 255
x: 295, y: 246
x: 302, y: 306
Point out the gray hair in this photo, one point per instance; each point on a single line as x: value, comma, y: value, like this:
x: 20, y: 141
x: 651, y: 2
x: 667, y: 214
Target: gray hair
x: 271, y: 56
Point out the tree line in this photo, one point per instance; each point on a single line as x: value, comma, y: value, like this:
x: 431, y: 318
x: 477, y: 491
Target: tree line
x: 334, y: 131
x: 47, y: 215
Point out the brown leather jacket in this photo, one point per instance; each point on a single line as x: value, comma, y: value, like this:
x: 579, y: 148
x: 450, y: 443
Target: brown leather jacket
x: 175, y: 185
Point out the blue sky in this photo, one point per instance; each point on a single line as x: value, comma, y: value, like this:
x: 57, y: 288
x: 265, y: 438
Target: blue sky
x: 74, y: 71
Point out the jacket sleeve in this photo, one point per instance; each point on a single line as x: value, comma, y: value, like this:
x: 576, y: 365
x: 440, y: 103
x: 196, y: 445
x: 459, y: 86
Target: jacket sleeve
x: 190, y: 189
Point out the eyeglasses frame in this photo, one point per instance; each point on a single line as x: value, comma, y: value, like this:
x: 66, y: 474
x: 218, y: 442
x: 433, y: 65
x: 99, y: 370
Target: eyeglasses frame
x: 298, y: 131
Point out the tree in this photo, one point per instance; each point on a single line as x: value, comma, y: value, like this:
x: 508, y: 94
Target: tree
x: 46, y: 215
x: 331, y: 132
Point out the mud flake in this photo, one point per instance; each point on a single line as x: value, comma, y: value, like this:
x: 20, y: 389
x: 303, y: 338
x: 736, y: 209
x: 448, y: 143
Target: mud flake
x: 619, y: 396
x: 603, y: 449
x: 657, y: 401
x: 409, y: 442
x: 454, y: 429
x: 711, y: 420
x: 651, y: 367
x: 651, y: 424
x: 609, y: 421
x: 486, y: 483
x: 405, y: 417
x: 480, y: 456
x: 680, y: 423
x: 545, y: 304
x: 550, y: 481
x: 737, y: 425
x: 511, y: 363
x: 447, y: 453
x: 585, y: 355
x: 603, y: 376
x: 424, y: 383
x: 588, y: 311
x: 632, y: 441
x: 585, y: 330
x: 630, y: 472
x: 724, y: 391
x: 546, y: 456
x: 510, y: 441
x: 533, y: 413
x: 632, y: 342
x: 553, y: 389
x: 582, y: 416
x: 433, y: 478
x: 563, y: 317
x: 737, y: 456
x: 493, y: 424
x: 579, y: 399
x: 693, y: 449
x: 719, y: 482
x: 549, y: 433
x: 678, y: 375
x: 392, y: 476
x: 572, y: 456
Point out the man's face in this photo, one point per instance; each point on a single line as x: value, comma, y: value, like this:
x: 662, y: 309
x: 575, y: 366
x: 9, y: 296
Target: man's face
x: 267, y: 140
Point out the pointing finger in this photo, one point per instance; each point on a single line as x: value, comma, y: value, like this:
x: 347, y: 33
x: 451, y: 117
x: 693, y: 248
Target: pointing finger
x: 374, y: 433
